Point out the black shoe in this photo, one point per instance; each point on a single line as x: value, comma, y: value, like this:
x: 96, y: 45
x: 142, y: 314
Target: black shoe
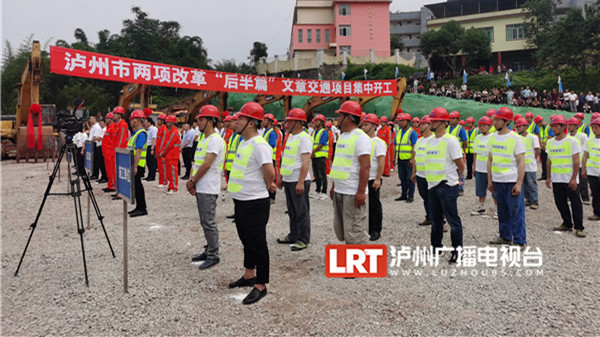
x: 150, y: 179
x: 108, y: 190
x: 200, y: 257
x: 542, y: 178
x: 409, y: 200
x: 232, y: 216
x: 254, y: 296
x: 242, y: 282
x: 132, y: 211
x: 138, y: 213
x: 102, y: 181
x: 453, y: 257
x: 398, y: 184
x: 93, y: 177
x: 386, y: 175
x: 375, y: 236
x: 209, y: 263
x: 116, y: 197
x: 185, y: 177
x: 468, y: 178
x: 400, y: 198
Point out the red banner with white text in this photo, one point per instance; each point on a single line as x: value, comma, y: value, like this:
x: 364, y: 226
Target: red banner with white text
x: 80, y: 63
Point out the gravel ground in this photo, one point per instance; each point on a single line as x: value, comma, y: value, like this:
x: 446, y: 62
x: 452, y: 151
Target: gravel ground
x: 169, y: 296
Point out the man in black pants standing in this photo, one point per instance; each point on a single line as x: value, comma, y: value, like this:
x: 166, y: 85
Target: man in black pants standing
x: 151, y: 131
x: 319, y: 157
x: 138, y: 143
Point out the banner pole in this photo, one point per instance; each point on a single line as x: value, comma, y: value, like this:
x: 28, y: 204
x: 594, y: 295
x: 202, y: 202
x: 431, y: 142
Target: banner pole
x: 125, y: 271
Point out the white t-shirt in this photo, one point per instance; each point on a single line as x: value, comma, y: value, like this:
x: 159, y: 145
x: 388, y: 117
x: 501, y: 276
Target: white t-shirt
x: 79, y: 139
x: 422, y: 144
x: 362, y: 147
x: 453, y: 152
x: 305, y: 146
x: 482, y: 148
x: 583, y: 139
x: 151, y: 133
x: 96, y: 131
x: 336, y: 133
x: 210, y: 183
x: 594, y: 143
x: 513, y: 173
x: 261, y: 155
x: 575, y: 149
x: 380, y: 150
x: 535, y: 142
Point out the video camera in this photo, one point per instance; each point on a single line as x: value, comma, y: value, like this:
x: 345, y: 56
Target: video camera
x: 69, y: 122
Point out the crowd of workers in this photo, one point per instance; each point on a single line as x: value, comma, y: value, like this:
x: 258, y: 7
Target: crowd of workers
x: 257, y: 156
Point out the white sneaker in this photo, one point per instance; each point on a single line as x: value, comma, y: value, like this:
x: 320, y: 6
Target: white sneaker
x: 495, y: 215
x: 313, y: 195
x: 160, y: 186
x: 170, y: 192
x: 479, y: 211
x: 323, y: 196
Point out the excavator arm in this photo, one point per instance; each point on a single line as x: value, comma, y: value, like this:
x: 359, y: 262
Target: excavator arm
x: 316, y: 101
x: 130, y: 91
x: 29, y: 87
x: 268, y: 99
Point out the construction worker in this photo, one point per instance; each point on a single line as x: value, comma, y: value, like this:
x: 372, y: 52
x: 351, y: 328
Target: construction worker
x: 295, y: 165
x: 251, y: 180
x: 415, y: 126
x: 270, y: 136
x: 563, y: 166
x: 350, y: 174
x: 444, y: 164
x: 205, y: 182
x: 319, y: 156
x: 583, y: 128
x: 532, y: 153
x: 157, y: 148
x: 591, y: 167
x: 481, y: 152
x: 378, y: 151
x: 278, y: 150
x: 419, y: 173
x: 385, y: 134
x: 506, y: 171
x: 228, y: 129
x: 138, y: 143
x: 573, y: 128
x: 532, y: 127
x: 490, y: 114
x: 108, y: 151
x: 545, y: 134
x: 331, y: 143
x: 170, y: 151
x: 406, y: 138
x: 472, y: 132
x: 391, y: 147
x: 121, y: 136
x: 458, y: 131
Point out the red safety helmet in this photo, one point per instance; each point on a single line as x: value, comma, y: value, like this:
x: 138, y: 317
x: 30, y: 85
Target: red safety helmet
x: 252, y: 110
x: 391, y: 123
x: 383, y: 119
x: 558, y: 119
x: 319, y: 117
x: 351, y: 108
x: 595, y: 115
x: 595, y: 121
x: 209, y: 111
x: 110, y: 115
x: 403, y: 117
x: 470, y: 120
x: 529, y: 114
x: 118, y: 110
x: 227, y: 119
x: 35, y: 108
x: 362, y: 115
x: 416, y: 119
x: 580, y: 115
x: 162, y: 116
x: 521, y: 122
x: 517, y: 116
x: 454, y: 114
x: 485, y: 120
x: 235, y: 116
x: 399, y: 111
x: 538, y: 119
x: 371, y: 118
x: 328, y: 125
x: 425, y: 119
x: 138, y: 114
x: 147, y: 112
x: 171, y: 119
x: 461, y: 122
x: 574, y: 121
x: 407, y: 116
x: 490, y: 112
x: 275, y: 122
x: 504, y: 113
x: 269, y: 117
x: 297, y: 114
x: 439, y: 114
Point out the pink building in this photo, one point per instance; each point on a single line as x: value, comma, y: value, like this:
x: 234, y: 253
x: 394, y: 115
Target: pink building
x: 356, y: 26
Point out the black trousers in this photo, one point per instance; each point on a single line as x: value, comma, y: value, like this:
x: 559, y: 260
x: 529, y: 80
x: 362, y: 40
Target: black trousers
x: 375, y: 210
x: 562, y: 193
x: 424, y: 193
x: 140, y: 195
x: 319, y: 170
x: 469, y: 157
x: 99, y: 163
x: 272, y: 195
x: 595, y: 188
x: 80, y: 165
x: 188, y: 153
x: 299, y: 211
x: 151, y: 164
x: 544, y: 159
x: 251, y: 218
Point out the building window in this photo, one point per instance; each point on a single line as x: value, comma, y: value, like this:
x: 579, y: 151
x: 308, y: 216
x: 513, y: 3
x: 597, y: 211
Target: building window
x: 299, y: 35
x: 489, y: 31
x: 408, y: 50
x: 409, y: 36
x: 347, y: 49
x: 318, y: 36
x: 309, y: 36
x: 344, y: 10
x: 344, y: 30
x: 515, y: 32
x: 327, y: 35
x: 399, y: 24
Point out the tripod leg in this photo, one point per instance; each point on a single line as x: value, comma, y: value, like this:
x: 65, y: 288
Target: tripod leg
x: 34, y: 224
x: 76, y: 192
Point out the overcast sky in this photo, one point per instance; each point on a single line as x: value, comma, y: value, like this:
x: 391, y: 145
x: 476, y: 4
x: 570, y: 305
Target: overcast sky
x: 227, y: 27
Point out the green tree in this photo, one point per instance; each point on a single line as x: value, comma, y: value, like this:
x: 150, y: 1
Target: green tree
x: 258, y: 51
x: 476, y: 45
x: 230, y: 66
x: 443, y: 43
x: 396, y: 42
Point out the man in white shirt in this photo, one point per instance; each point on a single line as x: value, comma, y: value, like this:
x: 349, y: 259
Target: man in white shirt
x: 563, y: 166
x: 350, y: 175
x: 151, y: 131
x: 96, y: 135
x: 582, y: 139
x: 532, y: 153
x: 591, y: 167
x: 378, y: 151
x: 481, y: 152
x: 419, y: 173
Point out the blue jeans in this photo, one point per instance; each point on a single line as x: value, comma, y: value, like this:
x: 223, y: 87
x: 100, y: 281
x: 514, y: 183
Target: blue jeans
x: 511, y: 213
x: 530, y: 188
x: 405, y: 173
x: 442, y: 204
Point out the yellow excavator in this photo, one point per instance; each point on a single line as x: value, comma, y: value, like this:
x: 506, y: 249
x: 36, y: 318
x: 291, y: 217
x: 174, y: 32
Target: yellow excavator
x: 14, y: 129
x: 186, y: 109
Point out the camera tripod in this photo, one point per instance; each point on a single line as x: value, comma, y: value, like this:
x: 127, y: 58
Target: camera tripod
x: 75, y: 192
